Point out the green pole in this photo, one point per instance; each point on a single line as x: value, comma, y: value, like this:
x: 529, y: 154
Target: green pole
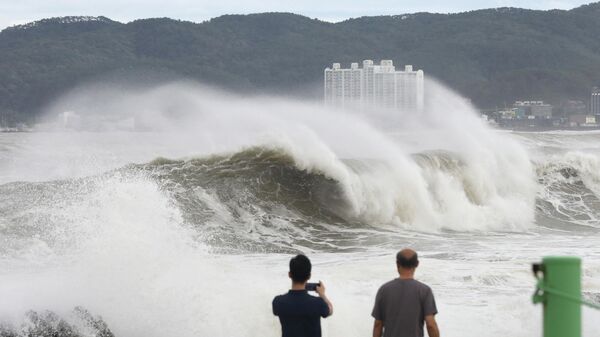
x: 561, y: 283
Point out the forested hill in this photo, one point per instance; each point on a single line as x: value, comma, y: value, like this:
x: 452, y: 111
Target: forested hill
x: 491, y: 56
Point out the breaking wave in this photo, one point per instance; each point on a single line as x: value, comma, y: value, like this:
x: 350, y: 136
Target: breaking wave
x: 264, y: 190
x: 265, y: 199
x: 570, y: 188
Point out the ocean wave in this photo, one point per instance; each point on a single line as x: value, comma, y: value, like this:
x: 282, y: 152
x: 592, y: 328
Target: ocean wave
x: 428, y: 191
x: 78, y: 323
x: 270, y: 199
x: 570, y: 188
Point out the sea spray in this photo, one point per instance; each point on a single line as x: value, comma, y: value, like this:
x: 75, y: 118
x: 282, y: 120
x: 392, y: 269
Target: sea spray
x: 496, y: 190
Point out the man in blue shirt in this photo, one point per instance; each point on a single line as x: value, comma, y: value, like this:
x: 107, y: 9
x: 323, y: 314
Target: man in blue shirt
x: 300, y: 313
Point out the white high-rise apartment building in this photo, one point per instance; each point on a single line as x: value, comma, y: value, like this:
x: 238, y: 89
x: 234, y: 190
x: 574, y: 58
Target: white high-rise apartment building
x: 343, y: 86
x: 374, y: 85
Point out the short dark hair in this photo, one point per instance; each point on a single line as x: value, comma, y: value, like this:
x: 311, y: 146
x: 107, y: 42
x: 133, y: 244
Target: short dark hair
x: 407, y: 259
x: 300, y: 268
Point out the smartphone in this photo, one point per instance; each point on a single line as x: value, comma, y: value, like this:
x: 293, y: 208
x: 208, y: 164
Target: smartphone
x: 311, y: 286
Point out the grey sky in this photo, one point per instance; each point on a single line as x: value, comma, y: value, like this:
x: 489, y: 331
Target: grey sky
x: 21, y: 11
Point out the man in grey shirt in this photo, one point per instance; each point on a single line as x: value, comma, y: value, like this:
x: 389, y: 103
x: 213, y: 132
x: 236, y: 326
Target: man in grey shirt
x: 403, y: 304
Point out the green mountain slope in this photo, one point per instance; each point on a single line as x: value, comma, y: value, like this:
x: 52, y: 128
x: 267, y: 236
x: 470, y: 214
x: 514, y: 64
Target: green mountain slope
x: 491, y: 56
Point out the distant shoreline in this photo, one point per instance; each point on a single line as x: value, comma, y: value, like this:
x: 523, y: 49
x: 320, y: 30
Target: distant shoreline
x: 546, y: 129
x: 15, y: 131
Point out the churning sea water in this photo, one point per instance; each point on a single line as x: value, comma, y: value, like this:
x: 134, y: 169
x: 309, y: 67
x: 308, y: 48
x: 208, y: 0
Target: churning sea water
x: 187, y: 231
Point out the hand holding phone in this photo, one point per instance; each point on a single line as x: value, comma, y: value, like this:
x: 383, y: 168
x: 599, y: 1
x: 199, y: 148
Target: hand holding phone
x: 311, y: 286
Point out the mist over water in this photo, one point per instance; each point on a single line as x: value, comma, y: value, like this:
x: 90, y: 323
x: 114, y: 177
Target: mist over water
x: 168, y: 209
x: 408, y: 174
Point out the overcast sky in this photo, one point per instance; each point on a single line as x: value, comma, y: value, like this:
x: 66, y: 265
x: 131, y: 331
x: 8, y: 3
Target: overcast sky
x: 21, y: 11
